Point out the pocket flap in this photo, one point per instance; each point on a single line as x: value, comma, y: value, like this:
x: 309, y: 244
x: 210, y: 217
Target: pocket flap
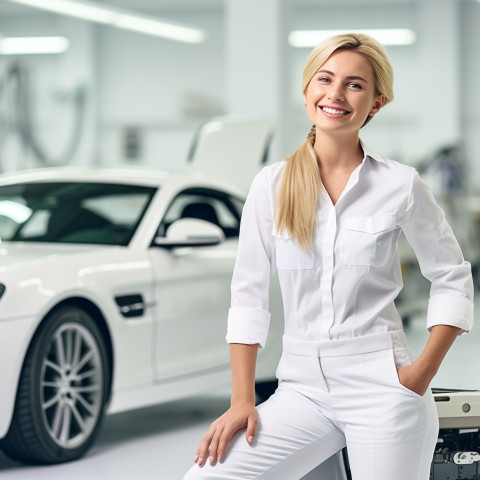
x: 373, y: 225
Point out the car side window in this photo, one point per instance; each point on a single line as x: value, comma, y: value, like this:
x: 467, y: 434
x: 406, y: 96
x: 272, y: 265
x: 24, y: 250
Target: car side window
x: 212, y: 206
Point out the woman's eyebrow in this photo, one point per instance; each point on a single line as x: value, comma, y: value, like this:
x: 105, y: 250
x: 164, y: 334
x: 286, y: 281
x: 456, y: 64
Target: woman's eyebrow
x: 350, y: 77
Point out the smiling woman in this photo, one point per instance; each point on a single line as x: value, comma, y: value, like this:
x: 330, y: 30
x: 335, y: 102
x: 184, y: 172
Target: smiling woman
x: 328, y: 220
x: 372, y: 90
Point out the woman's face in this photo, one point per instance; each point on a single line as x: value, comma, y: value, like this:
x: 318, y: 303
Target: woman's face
x: 342, y: 94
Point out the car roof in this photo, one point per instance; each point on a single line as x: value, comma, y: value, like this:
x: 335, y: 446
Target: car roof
x: 123, y: 174
x: 130, y: 175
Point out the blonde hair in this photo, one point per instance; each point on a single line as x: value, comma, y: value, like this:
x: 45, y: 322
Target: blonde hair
x: 300, y: 189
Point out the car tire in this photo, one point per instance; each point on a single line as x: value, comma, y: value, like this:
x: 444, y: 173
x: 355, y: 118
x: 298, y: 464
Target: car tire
x: 62, y: 391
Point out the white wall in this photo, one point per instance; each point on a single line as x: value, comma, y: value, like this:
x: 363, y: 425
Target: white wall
x: 52, y: 81
x: 159, y: 87
x: 166, y: 89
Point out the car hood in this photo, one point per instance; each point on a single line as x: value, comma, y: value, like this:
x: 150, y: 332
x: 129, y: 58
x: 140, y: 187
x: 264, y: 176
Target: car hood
x: 20, y: 254
x: 233, y: 149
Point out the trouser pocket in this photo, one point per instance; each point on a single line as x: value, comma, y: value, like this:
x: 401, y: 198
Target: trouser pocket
x: 392, y: 374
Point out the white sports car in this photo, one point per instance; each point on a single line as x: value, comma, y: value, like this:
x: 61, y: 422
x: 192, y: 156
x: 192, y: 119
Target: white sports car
x: 114, y: 286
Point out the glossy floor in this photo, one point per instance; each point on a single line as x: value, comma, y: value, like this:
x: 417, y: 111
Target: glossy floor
x: 159, y: 442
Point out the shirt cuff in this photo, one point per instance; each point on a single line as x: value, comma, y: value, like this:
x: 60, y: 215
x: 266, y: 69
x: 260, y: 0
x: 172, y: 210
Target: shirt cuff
x: 247, y: 325
x: 447, y: 309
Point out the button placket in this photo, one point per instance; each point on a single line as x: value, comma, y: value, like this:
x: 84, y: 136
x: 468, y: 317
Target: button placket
x: 328, y: 257
x: 327, y: 253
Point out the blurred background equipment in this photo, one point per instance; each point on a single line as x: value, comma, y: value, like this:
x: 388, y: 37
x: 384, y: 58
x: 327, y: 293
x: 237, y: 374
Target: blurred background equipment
x: 457, y: 454
x: 447, y: 173
x: 17, y: 117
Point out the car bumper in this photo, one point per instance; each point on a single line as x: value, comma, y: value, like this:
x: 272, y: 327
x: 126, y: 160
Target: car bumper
x: 14, y: 340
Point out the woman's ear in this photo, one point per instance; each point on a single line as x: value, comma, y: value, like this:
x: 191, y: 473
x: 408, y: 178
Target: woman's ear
x: 379, y: 103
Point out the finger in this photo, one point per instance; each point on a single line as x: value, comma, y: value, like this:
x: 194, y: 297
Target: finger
x: 223, y: 441
x: 251, y: 428
x: 214, y: 446
x: 202, y: 451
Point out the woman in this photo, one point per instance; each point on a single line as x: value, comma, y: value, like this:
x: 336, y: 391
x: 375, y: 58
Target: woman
x: 328, y: 220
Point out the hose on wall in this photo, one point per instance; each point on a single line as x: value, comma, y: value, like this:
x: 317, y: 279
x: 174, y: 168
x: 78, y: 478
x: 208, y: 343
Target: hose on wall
x: 16, y: 116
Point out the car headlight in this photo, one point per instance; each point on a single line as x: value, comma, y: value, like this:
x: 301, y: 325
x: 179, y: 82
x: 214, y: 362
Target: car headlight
x: 2, y: 289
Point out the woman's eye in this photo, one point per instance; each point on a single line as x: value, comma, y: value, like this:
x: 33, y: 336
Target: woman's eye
x: 355, y: 85
x: 323, y: 79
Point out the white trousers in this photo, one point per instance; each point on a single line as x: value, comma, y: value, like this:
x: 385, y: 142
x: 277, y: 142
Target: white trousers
x: 344, y: 393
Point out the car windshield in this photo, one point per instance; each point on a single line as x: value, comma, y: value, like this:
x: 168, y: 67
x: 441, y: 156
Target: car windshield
x: 73, y: 212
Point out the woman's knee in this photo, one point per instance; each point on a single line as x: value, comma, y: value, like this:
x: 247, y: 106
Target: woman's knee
x: 195, y: 473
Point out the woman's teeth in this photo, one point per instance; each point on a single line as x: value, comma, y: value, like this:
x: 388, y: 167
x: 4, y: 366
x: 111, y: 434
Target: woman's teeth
x: 334, y: 111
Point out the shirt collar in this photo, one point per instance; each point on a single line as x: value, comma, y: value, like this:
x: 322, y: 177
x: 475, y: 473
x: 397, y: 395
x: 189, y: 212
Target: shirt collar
x: 368, y: 153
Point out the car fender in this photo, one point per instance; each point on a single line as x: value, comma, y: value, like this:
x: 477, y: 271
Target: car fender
x: 16, y: 334
x: 94, y: 281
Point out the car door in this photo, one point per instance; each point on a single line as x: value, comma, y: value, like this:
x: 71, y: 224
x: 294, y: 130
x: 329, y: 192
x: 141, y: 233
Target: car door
x: 192, y: 287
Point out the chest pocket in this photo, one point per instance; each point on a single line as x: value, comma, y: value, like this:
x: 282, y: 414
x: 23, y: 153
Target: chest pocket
x: 289, y: 256
x: 368, y: 240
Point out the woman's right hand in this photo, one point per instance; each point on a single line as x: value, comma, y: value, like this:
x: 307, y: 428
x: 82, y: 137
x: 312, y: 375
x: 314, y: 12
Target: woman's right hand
x: 214, y: 442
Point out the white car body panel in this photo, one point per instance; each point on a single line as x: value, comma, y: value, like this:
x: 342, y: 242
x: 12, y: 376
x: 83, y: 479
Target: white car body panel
x: 154, y: 359
x: 88, y: 275
x: 15, y: 337
x: 213, y: 154
x: 204, y: 275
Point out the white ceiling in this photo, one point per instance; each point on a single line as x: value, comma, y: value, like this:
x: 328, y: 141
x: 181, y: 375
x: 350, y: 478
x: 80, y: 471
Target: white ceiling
x: 148, y: 6
x: 164, y: 6
x: 217, y: 4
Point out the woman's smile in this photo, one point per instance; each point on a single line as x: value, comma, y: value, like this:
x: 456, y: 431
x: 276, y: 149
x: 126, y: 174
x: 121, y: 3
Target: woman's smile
x: 334, y: 112
x: 342, y: 93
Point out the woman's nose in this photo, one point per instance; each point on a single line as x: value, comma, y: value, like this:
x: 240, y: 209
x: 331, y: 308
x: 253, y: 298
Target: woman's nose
x: 335, y: 93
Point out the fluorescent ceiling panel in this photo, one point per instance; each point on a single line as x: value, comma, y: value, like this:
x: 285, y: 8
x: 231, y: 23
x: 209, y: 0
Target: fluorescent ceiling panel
x: 85, y: 11
x: 120, y: 18
x: 33, y: 45
x: 390, y: 36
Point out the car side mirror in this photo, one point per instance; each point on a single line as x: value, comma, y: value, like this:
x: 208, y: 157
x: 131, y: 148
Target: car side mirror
x: 190, y: 232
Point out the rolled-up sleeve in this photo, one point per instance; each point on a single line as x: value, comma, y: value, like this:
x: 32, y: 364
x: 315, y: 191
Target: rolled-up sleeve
x: 249, y: 316
x: 440, y: 259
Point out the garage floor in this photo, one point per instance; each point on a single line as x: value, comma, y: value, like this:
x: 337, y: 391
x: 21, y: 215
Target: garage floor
x: 159, y: 442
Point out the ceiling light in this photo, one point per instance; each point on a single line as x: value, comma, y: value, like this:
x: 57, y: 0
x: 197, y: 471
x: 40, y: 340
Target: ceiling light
x: 158, y: 28
x: 390, y: 36
x: 120, y: 18
x: 86, y: 11
x: 33, y: 45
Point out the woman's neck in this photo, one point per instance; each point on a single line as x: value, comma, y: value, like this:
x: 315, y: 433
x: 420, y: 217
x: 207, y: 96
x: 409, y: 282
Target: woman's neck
x: 338, y: 153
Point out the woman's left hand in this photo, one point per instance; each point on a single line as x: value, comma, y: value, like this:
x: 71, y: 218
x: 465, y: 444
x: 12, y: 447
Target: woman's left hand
x: 414, y: 378
x: 419, y: 374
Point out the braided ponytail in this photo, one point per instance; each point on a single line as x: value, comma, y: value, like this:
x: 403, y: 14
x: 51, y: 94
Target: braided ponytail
x: 299, y: 192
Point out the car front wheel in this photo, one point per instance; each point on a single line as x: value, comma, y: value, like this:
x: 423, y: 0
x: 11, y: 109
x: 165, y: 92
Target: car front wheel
x: 62, y: 390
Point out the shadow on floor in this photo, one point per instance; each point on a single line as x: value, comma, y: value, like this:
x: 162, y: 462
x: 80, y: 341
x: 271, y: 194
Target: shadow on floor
x: 142, y: 424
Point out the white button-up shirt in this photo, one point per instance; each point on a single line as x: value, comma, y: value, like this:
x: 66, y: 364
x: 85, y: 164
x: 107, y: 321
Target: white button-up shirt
x: 346, y: 284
